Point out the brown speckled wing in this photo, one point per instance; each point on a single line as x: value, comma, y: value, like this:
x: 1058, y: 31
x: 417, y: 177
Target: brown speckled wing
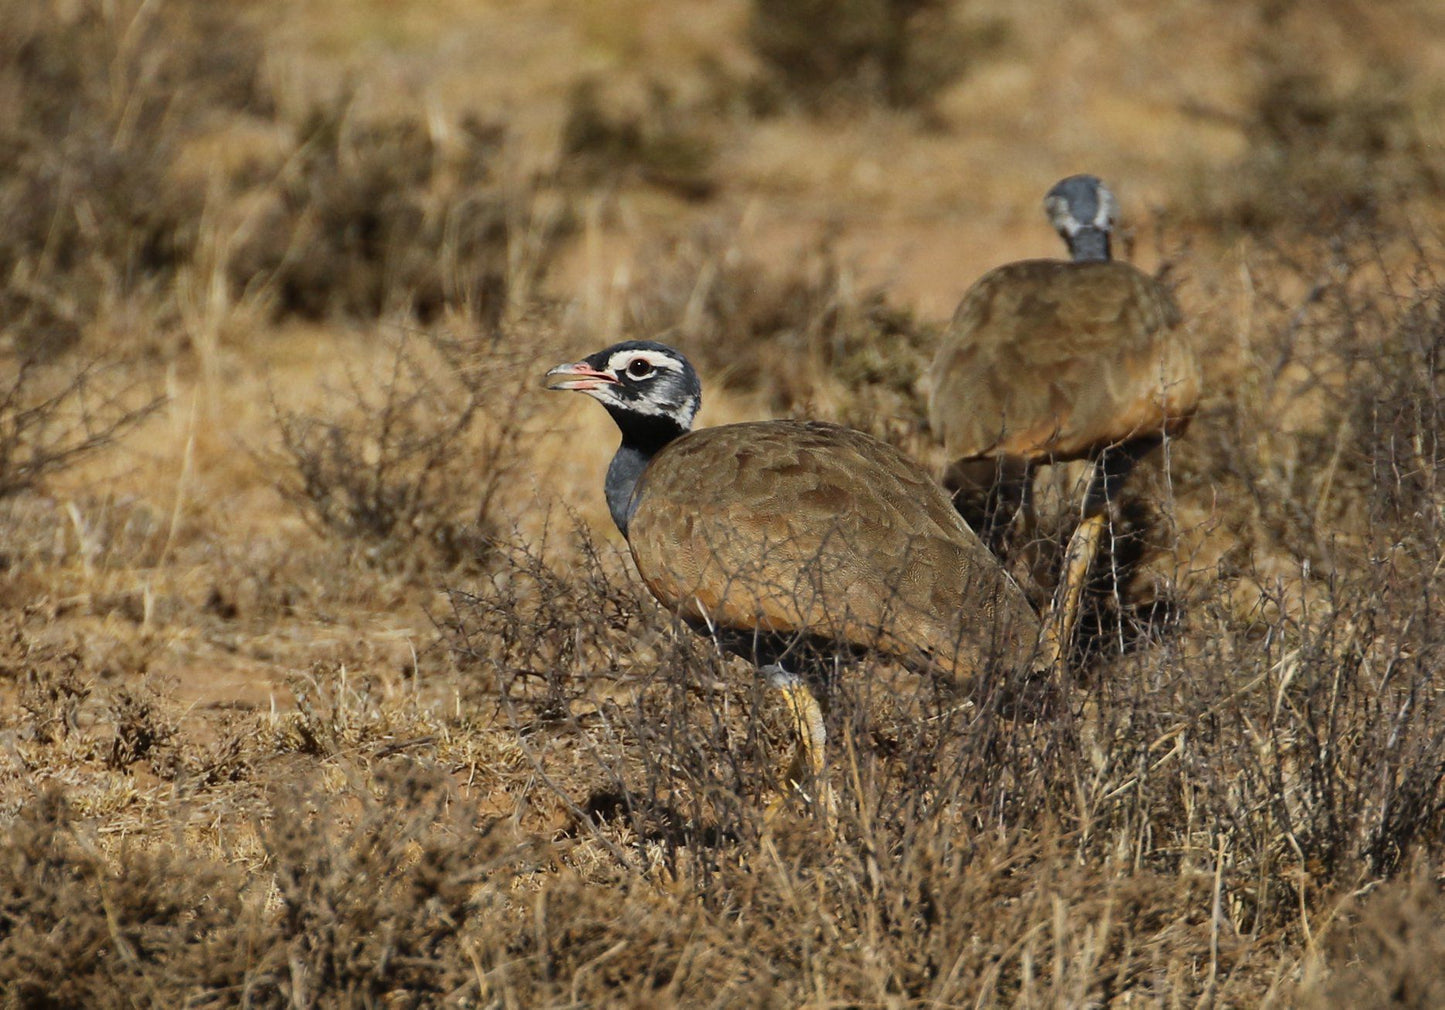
x: 789, y: 527
x: 1047, y: 358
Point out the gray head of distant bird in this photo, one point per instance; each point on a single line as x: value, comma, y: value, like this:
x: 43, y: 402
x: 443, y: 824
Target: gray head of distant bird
x: 653, y: 394
x: 1081, y: 209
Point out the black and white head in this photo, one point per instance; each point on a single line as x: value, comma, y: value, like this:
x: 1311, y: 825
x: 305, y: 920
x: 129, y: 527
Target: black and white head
x: 645, y: 386
x: 652, y: 393
x: 1081, y: 209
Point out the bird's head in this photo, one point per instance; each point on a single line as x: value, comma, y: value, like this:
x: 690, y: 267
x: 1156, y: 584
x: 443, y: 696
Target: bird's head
x: 1081, y: 209
x: 641, y: 383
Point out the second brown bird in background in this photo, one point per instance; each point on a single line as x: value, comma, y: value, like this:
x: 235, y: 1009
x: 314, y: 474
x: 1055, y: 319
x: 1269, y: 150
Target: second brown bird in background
x: 1047, y: 361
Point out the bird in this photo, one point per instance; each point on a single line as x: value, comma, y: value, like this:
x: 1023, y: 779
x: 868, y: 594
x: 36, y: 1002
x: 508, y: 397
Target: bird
x: 1047, y: 361
x: 790, y: 542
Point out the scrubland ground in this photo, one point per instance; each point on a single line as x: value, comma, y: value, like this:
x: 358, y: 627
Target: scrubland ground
x: 326, y: 681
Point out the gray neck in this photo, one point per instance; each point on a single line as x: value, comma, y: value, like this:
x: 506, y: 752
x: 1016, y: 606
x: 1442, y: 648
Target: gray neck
x: 643, y: 436
x: 622, y: 477
x: 1089, y: 245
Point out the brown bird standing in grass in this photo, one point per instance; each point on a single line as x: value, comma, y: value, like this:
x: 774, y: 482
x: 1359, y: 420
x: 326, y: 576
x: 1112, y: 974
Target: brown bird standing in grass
x: 796, y: 543
x: 1047, y: 361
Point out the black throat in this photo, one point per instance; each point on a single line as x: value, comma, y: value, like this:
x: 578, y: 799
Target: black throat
x: 643, y: 437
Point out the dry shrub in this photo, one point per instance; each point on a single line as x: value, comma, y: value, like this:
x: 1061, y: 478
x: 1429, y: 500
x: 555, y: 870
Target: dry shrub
x: 51, y: 417
x: 340, y: 713
x: 142, y: 730
x: 76, y: 930
x: 373, y: 217
x: 822, y: 55
x: 555, y: 623
x: 948, y: 917
x: 1308, y: 757
x: 373, y: 909
x: 98, y: 100
x: 1305, y: 724
x: 77, y: 721
x: 1325, y: 147
x: 370, y: 907
x: 806, y: 338
x: 412, y: 469
x: 388, y: 891
x: 664, y: 144
x: 1400, y: 421
x: 553, y: 646
x: 52, y: 688
x: 1332, y: 438
x: 1389, y: 951
x: 358, y: 217
x: 406, y: 901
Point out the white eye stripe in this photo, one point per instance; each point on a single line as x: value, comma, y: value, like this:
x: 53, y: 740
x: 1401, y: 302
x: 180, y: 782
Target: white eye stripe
x: 619, y: 361
x: 681, y: 409
x: 1062, y: 214
x: 683, y: 413
x: 1105, y: 214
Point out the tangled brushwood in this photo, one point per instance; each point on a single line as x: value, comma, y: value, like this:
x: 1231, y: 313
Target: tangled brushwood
x: 322, y: 684
x: 1241, y: 782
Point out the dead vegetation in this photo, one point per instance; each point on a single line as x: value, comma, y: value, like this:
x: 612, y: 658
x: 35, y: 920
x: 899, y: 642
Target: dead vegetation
x: 1196, y: 823
x: 369, y: 219
x: 1325, y: 150
x: 51, y: 417
x: 663, y: 145
x: 484, y: 769
x: 412, y: 468
x: 898, y: 53
x: 810, y: 341
x: 332, y: 215
x: 100, y: 102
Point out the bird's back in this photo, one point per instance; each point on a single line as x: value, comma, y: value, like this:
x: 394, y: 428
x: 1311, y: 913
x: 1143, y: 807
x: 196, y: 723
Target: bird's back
x: 1055, y: 359
x: 803, y: 528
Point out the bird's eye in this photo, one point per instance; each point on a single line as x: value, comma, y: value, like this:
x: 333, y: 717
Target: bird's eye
x: 639, y: 368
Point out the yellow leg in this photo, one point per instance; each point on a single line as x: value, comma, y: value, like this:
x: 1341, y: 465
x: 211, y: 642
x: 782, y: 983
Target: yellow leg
x: 809, y: 771
x: 1063, y: 616
x: 812, y: 735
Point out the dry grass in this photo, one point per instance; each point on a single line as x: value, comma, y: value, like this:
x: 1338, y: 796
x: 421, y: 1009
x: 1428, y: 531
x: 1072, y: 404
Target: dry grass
x: 326, y: 683
x: 899, y: 53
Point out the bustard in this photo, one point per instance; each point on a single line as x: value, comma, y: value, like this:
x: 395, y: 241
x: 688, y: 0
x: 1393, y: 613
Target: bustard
x: 1053, y: 360
x: 784, y: 539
